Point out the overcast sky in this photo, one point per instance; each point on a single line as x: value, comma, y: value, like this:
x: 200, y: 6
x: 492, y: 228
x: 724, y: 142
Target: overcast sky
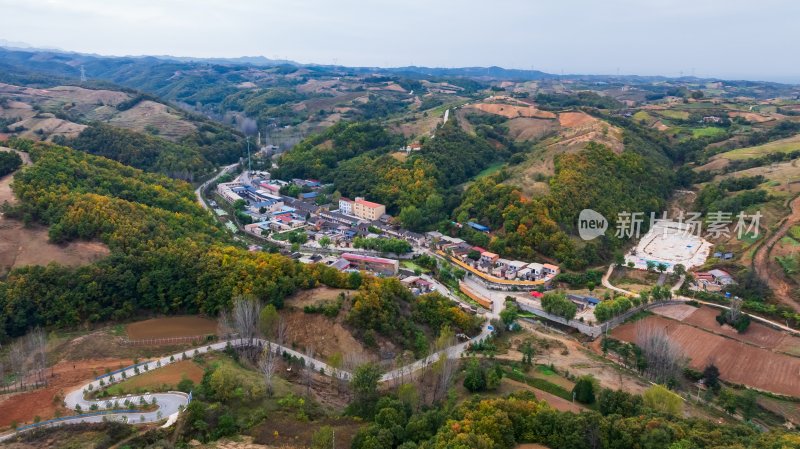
x: 741, y: 39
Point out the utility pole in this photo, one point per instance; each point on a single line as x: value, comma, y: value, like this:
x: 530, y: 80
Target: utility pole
x: 83, y: 75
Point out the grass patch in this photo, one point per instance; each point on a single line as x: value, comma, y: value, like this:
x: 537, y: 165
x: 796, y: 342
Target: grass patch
x: 750, y: 238
x: 708, y: 131
x: 546, y: 370
x: 642, y: 116
x: 786, y: 240
x: 412, y: 266
x: 790, y: 265
x: 490, y: 170
x: 541, y: 384
x: 673, y: 114
x: 794, y: 232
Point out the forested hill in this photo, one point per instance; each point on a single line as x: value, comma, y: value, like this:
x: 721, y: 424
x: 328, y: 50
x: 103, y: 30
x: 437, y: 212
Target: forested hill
x: 425, y: 189
x: 167, y: 254
x: 361, y: 159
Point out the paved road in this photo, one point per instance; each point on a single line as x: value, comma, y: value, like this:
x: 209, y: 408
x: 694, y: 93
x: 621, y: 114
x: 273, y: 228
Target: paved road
x: 199, y: 191
x: 607, y: 284
x: 171, y: 403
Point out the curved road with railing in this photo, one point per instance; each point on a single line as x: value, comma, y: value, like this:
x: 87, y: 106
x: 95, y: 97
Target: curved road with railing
x: 169, y: 404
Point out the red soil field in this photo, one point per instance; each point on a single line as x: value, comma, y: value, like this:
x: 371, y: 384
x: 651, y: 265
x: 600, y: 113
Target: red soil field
x: 757, y: 334
x: 23, y: 407
x: 739, y: 363
x: 177, y: 326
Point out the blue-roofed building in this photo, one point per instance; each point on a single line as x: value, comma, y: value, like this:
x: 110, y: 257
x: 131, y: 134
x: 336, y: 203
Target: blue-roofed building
x: 478, y: 226
x: 309, y: 195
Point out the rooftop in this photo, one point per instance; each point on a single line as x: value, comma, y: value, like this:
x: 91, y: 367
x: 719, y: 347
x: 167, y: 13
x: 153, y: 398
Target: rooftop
x: 366, y: 203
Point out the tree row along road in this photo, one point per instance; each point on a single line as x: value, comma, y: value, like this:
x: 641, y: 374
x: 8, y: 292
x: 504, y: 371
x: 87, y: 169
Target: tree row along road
x: 169, y: 404
x: 607, y: 284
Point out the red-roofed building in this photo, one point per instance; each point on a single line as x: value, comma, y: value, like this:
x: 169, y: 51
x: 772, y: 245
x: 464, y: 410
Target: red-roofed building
x: 379, y: 265
x: 489, y: 258
x: 367, y: 209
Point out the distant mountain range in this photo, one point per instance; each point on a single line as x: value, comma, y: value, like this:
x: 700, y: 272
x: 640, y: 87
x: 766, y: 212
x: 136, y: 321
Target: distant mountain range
x: 23, y: 56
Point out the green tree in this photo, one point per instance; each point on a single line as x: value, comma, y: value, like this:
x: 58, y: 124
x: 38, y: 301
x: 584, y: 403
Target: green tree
x: 365, y: 389
x: 711, y: 377
x: 325, y: 241
x: 747, y: 404
x: 583, y: 391
x: 509, y: 313
x: 411, y: 217
x: 475, y: 376
x: 268, y: 320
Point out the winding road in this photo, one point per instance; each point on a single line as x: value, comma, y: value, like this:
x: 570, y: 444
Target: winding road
x: 199, y: 191
x: 170, y: 404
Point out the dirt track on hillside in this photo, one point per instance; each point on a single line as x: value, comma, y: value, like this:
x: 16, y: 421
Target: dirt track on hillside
x: 774, y: 276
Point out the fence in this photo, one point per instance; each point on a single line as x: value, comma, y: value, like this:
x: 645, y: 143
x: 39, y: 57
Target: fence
x: 121, y: 370
x: 595, y: 331
x: 619, y: 319
x: 172, y: 340
x: 14, y: 388
x: 75, y: 417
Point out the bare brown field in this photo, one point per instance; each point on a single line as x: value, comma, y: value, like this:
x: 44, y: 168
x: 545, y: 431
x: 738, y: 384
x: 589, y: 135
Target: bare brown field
x: 757, y: 334
x: 48, y: 126
x: 21, y: 246
x: 677, y: 312
x: 715, y: 164
x: 751, y: 116
x: 739, y: 363
x: 510, y: 111
x: 575, y: 119
x: 171, y: 327
x: 64, y: 376
x: 315, y: 295
x: 91, y: 105
x: 149, y: 113
x: 325, y: 336
x: 524, y: 128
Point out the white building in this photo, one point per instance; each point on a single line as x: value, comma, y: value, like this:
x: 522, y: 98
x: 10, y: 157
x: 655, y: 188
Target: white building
x: 346, y: 206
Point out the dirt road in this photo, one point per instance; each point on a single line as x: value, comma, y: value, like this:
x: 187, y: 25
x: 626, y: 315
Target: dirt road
x: 774, y: 277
